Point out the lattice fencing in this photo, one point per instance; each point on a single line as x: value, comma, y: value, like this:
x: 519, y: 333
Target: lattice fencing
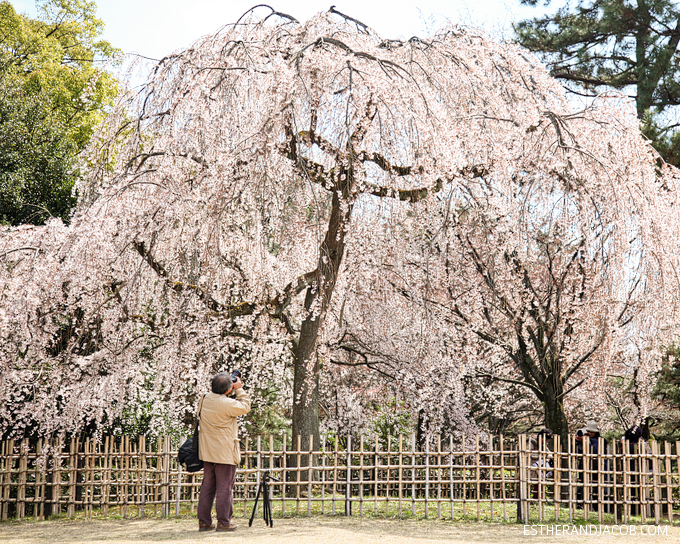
x: 498, y: 479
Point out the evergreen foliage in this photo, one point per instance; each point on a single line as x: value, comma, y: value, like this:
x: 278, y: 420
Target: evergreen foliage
x: 54, y: 91
x: 628, y: 45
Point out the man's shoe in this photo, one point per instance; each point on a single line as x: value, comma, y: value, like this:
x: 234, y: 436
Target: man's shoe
x: 203, y: 527
x: 229, y: 527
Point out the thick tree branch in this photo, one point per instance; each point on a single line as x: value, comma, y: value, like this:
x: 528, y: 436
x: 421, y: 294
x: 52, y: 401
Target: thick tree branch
x: 275, y: 306
x: 569, y: 76
x: 565, y: 393
x: 410, y: 195
x: 535, y: 389
x: 366, y: 363
x: 385, y: 165
x: 146, y: 156
x: 583, y: 359
x: 176, y: 286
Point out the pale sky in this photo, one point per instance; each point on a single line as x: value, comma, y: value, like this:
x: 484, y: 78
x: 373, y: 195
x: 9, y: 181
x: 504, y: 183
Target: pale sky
x: 155, y: 28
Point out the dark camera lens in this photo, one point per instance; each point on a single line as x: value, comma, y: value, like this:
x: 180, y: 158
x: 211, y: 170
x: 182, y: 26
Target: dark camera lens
x: 579, y: 433
x: 235, y: 374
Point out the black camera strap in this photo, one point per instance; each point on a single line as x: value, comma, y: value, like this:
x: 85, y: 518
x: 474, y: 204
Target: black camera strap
x: 198, y: 422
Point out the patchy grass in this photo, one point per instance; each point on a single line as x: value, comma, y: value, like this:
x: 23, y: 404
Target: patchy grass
x: 370, y: 509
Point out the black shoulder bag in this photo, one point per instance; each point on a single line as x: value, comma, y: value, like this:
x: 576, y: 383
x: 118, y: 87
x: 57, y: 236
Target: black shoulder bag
x: 188, y: 452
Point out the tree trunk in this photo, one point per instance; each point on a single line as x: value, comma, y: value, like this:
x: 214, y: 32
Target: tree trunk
x: 555, y: 418
x: 317, y: 300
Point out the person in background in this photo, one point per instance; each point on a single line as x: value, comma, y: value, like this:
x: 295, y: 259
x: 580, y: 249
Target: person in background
x: 594, y: 434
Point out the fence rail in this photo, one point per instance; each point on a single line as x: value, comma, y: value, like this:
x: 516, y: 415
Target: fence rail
x: 500, y: 479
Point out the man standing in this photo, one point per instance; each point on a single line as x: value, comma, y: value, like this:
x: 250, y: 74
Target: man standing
x: 218, y: 448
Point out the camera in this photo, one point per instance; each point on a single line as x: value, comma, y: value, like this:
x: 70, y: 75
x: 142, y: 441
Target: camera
x: 579, y: 432
x: 235, y: 375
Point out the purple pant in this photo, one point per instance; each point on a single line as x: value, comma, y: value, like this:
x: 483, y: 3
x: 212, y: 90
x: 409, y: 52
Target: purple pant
x: 218, y: 483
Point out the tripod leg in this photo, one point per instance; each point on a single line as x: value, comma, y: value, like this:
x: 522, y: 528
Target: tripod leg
x: 252, y: 516
x: 265, y: 506
x: 271, y: 519
x: 269, y: 506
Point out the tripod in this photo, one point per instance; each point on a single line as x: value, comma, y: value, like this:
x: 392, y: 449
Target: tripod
x: 266, y: 500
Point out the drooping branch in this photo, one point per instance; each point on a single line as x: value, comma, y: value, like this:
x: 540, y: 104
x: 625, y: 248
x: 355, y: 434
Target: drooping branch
x: 387, y: 167
x: 273, y: 13
x: 410, y: 195
x: 488, y: 279
x: 368, y: 364
x: 353, y: 346
x: 357, y: 137
x: 420, y: 193
x: 25, y: 248
x: 143, y: 157
x: 565, y: 393
x: 527, y: 366
x: 492, y: 377
x: 176, y: 286
x: 275, y: 305
x: 294, y: 288
x: 585, y: 357
x: 361, y: 26
x: 391, y: 68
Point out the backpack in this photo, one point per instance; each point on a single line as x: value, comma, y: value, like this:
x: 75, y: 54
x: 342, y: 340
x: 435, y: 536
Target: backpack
x: 188, y: 452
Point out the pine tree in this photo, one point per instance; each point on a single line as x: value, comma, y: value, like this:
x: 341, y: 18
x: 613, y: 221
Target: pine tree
x: 631, y: 45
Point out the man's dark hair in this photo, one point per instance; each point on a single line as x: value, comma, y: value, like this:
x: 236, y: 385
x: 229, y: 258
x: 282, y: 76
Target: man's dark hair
x: 221, y: 383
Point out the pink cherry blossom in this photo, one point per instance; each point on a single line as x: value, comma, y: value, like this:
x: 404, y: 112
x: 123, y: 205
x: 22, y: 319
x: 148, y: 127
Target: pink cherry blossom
x: 343, y: 216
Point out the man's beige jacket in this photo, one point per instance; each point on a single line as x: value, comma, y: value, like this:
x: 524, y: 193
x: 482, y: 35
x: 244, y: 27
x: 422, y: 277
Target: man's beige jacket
x: 218, y: 436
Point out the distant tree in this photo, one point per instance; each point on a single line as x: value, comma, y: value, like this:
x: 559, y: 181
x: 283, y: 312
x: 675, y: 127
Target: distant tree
x: 627, y: 45
x: 54, y: 92
x: 37, y: 159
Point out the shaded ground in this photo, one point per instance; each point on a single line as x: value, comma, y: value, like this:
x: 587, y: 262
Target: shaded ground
x: 337, y: 530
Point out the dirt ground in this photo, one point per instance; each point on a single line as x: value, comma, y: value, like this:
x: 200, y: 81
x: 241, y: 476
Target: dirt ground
x: 304, y: 531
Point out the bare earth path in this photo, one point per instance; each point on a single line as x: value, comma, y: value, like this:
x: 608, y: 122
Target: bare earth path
x: 302, y: 531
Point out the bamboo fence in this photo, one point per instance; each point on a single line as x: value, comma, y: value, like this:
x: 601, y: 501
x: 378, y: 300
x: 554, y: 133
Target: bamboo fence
x: 497, y: 479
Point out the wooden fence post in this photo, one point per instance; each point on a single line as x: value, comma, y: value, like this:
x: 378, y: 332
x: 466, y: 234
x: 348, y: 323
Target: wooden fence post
x: 477, y: 478
x: 336, y: 455
x: 23, y: 470
x: 621, y: 477
x: 9, y: 464
x: 427, y: 477
x: 413, y: 474
x: 504, y: 493
x: 439, y: 477
x: 376, y: 472
x: 143, y: 459
x: 522, y: 503
x: 106, y: 476
x: 348, y: 478
x: 655, y: 481
x: 72, y: 464
x: 668, y: 506
x: 310, y: 473
x: 179, y: 488
x: 451, y: 486
x: 401, y: 471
